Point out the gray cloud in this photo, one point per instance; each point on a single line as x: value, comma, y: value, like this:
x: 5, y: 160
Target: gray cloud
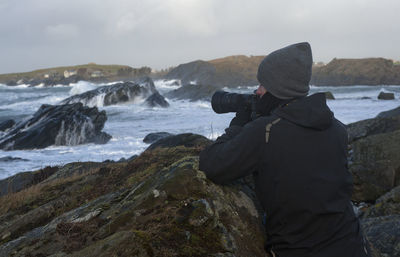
x: 161, y: 33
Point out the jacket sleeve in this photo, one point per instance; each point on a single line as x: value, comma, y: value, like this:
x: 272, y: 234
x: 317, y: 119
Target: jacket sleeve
x: 234, y: 154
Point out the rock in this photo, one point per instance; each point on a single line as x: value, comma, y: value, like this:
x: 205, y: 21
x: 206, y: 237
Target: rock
x: 375, y: 165
x: 192, y: 72
x: 159, y: 204
x: 347, y: 72
x: 329, y: 95
x: 364, y: 128
x: 7, y: 124
x: 187, y: 140
x: 24, y: 179
x: 388, y: 204
x: 69, y: 124
x: 156, y: 100
x: 153, y: 137
x: 386, y: 96
x: 12, y: 159
x: 388, y: 114
x: 114, y: 94
x: 193, y: 92
x: 384, y: 234
x: 231, y: 71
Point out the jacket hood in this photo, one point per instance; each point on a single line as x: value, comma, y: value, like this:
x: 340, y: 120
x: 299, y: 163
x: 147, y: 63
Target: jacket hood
x: 310, y: 112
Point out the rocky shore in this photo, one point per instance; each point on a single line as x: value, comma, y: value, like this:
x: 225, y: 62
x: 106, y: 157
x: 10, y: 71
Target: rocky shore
x: 160, y: 204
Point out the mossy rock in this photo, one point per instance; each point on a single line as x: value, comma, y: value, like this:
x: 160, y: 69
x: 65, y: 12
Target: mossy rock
x: 159, y: 204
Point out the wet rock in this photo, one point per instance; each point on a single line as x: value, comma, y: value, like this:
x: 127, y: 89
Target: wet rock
x: 153, y: 137
x: 186, y: 139
x: 12, y: 159
x: 7, y: 124
x: 159, y: 204
x: 375, y: 165
x: 388, y: 204
x: 388, y: 114
x: 386, y: 96
x: 69, y: 124
x: 384, y: 234
x: 115, y: 94
x: 156, y: 100
x: 364, y: 128
x: 193, y: 92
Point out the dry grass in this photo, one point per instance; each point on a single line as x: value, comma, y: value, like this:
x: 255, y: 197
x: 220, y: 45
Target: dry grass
x: 16, y: 200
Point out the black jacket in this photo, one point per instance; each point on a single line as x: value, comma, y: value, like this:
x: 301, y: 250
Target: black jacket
x: 298, y: 156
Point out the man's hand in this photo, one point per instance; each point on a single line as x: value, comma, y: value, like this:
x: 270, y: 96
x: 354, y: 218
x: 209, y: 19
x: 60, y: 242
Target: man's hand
x: 243, y: 116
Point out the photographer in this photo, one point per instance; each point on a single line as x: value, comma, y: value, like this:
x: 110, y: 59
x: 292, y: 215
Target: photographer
x: 297, y: 153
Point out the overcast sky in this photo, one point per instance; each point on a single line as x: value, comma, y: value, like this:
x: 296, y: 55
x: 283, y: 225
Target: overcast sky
x: 161, y: 33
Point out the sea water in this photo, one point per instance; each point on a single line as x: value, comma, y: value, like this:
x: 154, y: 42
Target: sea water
x: 130, y: 123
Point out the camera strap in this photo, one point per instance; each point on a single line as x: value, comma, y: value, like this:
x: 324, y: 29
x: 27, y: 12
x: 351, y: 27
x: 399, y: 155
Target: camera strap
x: 268, y: 129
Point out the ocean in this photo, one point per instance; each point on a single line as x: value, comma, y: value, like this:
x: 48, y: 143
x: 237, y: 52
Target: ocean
x: 130, y: 123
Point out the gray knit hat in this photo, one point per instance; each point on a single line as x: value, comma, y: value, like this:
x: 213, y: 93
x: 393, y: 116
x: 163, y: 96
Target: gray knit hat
x: 286, y: 72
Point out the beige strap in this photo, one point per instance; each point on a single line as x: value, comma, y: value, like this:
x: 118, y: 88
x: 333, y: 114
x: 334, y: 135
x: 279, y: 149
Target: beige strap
x: 268, y: 129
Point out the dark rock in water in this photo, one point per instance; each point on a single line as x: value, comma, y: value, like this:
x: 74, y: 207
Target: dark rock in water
x: 391, y: 113
x: 4, y: 125
x: 24, y: 179
x: 388, y: 204
x: 329, y: 95
x: 375, y: 165
x: 156, y: 100
x: 386, y: 96
x: 69, y: 124
x: 12, y: 159
x: 187, y: 140
x: 384, y: 234
x: 373, y: 126
x: 152, y: 137
x: 193, y: 92
x: 365, y: 97
x: 114, y: 94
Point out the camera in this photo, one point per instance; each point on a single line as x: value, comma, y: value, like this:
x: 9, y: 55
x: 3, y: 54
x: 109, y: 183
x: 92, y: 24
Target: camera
x: 224, y: 102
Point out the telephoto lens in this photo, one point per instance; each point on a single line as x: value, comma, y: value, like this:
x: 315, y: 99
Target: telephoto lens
x: 224, y: 102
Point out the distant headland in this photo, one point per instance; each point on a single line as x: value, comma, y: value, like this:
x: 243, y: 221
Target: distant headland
x: 231, y: 71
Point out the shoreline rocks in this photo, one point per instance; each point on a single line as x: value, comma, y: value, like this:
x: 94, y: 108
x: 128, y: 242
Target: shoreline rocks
x: 158, y: 204
x: 120, y: 93
x: 69, y: 124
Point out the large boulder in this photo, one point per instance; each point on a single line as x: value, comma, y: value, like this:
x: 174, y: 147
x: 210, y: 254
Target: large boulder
x: 156, y: 100
x: 193, y: 92
x: 364, y: 128
x: 384, y: 234
x: 375, y: 165
x: 391, y: 113
x: 153, y: 137
x: 159, y: 204
x: 388, y: 204
x: 119, y: 93
x: 69, y: 124
x: 386, y: 96
x: 186, y: 139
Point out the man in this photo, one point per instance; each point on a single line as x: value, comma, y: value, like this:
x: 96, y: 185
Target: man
x: 297, y: 153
